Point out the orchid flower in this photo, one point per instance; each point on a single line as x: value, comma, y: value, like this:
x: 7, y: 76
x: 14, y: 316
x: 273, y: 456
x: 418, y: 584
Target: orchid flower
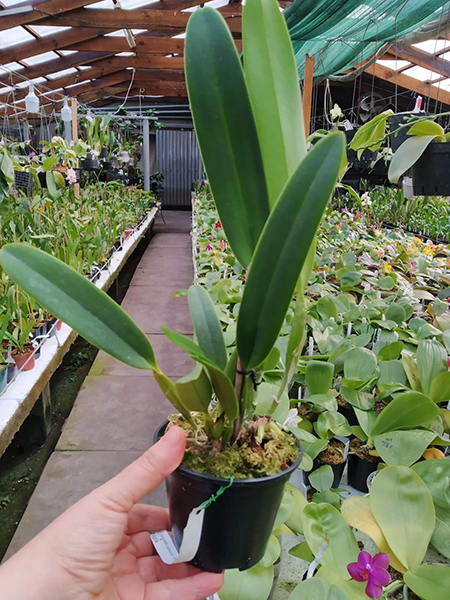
x: 71, y: 176
x: 373, y: 570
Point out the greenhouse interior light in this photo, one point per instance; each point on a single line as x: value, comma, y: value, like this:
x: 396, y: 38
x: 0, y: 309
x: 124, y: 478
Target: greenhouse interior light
x: 32, y: 101
x: 66, y: 112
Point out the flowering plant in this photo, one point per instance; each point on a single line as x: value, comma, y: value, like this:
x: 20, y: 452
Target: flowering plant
x: 372, y: 570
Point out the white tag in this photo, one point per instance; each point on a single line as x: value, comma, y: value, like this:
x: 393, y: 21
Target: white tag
x: 166, y: 548
x: 349, y: 328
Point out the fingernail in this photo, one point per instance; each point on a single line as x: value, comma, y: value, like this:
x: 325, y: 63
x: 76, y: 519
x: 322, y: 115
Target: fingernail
x: 173, y: 436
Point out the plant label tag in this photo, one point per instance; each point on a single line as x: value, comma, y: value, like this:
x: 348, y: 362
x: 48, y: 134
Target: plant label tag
x: 166, y: 548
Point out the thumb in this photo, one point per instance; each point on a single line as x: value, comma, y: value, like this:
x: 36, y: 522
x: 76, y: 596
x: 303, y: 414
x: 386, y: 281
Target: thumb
x: 146, y: 473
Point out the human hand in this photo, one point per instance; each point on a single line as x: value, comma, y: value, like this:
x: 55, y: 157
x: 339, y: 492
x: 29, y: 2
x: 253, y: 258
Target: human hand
x: 100, y: 548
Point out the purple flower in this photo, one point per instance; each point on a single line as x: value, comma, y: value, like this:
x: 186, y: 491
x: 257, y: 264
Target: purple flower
x: 373, y: 570
x: 209, y: 247
x: 32, y: 154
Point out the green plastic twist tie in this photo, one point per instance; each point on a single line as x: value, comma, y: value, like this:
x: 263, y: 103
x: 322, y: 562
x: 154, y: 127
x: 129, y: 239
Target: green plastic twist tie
x: 204, y: 505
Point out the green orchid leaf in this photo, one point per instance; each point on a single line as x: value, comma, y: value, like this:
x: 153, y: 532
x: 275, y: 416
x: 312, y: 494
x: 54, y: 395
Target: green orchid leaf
x: 436, y: 475
x: 194, y: 390
x: 357, y: 399
x: 441, y: 534
x: 425, y: 128
x: 79, y: 303
x: 371, y: 133
x: 396, y: 313
x: 403, y: 447
x: 286, y: 507
x: 440, y: 388
x: 317, y: 589
x: 294, y: 520
x: 430, y: 582
x: 431, y: 361
x: 275, y: 98
x: 407, y: 154
x: 283, y: 248
x: 226, y: 130
x: 169, y: 390
x: 360, y: 365
x: 322, y: 479
x: 222, y: 385
x: 252, y: 584
x: 323, y: 521
x: 48, y: 163
x: 408, y: 410
x: 398, y: 498
x: 319, y: 376
x: 331, y: 423
x: 326, y: 307
x: 391, y: 373
x: 325, y: 401
x: 302, y: 551
x: 272, y: 554
x: 391, y: 351
x: 208, y: 330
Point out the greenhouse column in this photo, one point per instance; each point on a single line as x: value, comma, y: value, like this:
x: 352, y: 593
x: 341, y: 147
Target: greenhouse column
x: 146, y: 152
x: 307, y: 92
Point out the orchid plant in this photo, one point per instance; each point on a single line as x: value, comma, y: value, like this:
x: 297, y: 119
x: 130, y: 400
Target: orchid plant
x: 270, y: 196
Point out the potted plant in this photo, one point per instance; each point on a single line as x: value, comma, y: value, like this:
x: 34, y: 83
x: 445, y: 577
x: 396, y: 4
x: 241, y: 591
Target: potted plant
x: 23, y: 351
x: 270, y: 216
x: 428, y: 153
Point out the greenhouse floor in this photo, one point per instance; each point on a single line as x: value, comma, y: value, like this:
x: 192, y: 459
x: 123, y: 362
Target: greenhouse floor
x: 119, y: 408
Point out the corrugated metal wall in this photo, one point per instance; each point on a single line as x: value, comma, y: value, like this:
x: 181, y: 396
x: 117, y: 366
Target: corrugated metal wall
x: 178, y: 157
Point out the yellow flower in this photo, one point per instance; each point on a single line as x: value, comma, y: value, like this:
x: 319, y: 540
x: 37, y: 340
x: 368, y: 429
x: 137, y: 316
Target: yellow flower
x: 417, y: 241
x: 412, y: 250
x: 428, y: 251
x: 387, y: 267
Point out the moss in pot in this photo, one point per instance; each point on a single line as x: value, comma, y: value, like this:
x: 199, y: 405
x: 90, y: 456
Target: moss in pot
x: 270, y: 196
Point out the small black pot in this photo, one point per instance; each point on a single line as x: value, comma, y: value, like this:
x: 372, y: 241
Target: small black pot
x: 358, y: 471
x: 338, y: 471
x: 90, y: 163
x: 237, y: 525
x: 430, y: 172
x: 349, y: 414
x: 104, y: 153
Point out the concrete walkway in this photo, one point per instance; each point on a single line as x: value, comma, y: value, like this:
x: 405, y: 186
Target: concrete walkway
x: 119, y: 408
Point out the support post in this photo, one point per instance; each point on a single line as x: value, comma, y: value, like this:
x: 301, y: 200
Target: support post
x: 74, y: 104
x: 307, y: 92
x: 146, y: 154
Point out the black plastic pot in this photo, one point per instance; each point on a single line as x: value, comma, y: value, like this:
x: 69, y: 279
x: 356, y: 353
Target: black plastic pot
x: 237, y: 525
x: 349, y: 414
x: 338, y: 471
x: 90, y: 164
x: 104, y: 153
x: 358, y: 471
x: 431, y: 172
x: 395, y: 121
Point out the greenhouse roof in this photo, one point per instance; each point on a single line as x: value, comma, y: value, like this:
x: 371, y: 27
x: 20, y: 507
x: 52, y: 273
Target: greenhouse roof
x: 101, y: 52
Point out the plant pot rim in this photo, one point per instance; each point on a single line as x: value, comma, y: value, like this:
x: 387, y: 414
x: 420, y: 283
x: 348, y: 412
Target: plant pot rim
x: 226, y: 480
x: 31, y: 349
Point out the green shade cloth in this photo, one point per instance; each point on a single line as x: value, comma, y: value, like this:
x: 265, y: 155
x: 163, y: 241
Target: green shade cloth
x: 343, y: 33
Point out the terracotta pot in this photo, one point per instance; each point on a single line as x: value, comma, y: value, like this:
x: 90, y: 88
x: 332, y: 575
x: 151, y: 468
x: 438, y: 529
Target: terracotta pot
x: 25, y: 361
x: 127, y: 233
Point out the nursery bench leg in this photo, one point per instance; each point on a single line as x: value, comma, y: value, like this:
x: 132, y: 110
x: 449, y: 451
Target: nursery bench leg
x: 36, y: 427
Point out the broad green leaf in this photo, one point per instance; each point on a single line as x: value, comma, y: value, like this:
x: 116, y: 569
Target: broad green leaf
x: 317, y: 589
x: 408, y: 410
x: 51, y: 184
x: 391, y: 351
x: 361, y: 400
x: 226, y: 130
x: 436, y: 475
x: 331, y: 423
x: 358, y: 514
x: 283, y: 248
x: 371, y: 133
x: 294, y: 520
x: 208, y: 330
x: 425, y: 128
x: 327, y: 497
x: 398, y: 498
x: 441, y: 534
x: 195, y: 390
x: 430, y: 582
x: 391, y: 372
x: 359, y: 365
x: 325, y: 401
x: 322, y: 479
x: 79, y: 303
x: 252, y: 584
x: 326, y: 307
x: 354, y: 589
x: 407, y: 154
x: 323, y: 521
x: 302, y: 551
x: 319, y: 376
x: 403, y: 447
x: 275, y: 98
x: 396, y: 313
x: 440, y: 388
x: 268, y: 403
x: 7, y: 167
x: 431, y: 361
x: 285, y: 509
x: 296, y: 340
x: 386, y: 283
x: 48, y: 163
x: 272, y: 553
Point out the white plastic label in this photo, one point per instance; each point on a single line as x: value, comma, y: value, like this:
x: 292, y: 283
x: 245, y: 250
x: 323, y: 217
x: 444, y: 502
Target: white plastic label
x: 166, y: 548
